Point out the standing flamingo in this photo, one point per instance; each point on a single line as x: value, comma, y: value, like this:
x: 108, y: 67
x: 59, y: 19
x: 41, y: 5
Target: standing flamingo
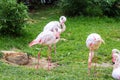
x: 57, y: 26
x: 93, y: 42
x: 46, y: 38
x: 116, y: 67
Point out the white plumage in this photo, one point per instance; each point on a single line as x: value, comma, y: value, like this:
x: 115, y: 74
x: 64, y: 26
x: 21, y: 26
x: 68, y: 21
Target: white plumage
x: 57, y: 26
x: 116, y: 73
x: 115, y: 51
x: 46, y: 38
x: 116, y: 67
x: 54, y: 25
x: 93, y: 42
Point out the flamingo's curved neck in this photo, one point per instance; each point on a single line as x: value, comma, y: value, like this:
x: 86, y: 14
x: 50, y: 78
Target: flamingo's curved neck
x: 117, y: 63
x: 63, y: 27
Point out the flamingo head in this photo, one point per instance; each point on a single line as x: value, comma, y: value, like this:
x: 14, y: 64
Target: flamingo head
x: 115, y: 55
x: 62, y: 19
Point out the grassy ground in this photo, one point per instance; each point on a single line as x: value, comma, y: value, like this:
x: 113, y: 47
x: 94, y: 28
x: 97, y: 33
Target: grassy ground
x: 71, y: 55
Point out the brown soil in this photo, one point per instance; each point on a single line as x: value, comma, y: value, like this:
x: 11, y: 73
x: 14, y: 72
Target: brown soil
x: 32, y: 61
x: 102, y: 65
x: 43, y: 63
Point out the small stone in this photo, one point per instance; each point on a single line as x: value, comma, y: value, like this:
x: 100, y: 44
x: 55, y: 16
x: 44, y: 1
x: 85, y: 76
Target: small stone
x: 16, y: 57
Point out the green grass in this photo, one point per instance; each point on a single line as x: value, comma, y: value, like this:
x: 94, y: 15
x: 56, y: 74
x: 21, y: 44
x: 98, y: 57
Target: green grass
x: 71, y: 55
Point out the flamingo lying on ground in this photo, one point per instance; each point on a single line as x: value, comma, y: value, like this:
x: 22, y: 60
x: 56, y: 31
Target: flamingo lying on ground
x: 93, y: 42
x: 115, y: 51
x: 46, y: 38
x: 54, y: 25
x: 116, y: 67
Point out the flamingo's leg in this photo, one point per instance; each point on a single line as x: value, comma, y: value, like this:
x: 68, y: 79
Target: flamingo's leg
x: 55, y: 48
x: 91, y: 54
x: 95, y: 67
x: 38, y: 60
x: 49, y: 57
x: 37, y: 66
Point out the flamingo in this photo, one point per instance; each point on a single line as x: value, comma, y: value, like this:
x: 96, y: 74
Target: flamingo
x: 115, y: 51
x: 46, y: 38
x: 57, y: 26
x: 93, y: 42
x: 116, y: 67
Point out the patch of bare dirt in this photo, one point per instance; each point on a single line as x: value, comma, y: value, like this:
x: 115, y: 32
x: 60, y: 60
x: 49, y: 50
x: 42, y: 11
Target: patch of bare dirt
x: 16, y: 58
x: 102, y: 65
x: 43, y: 63
x: 31, y: 21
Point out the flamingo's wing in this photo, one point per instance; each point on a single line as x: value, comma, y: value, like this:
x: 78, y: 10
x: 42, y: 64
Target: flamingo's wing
x: 48, y: 38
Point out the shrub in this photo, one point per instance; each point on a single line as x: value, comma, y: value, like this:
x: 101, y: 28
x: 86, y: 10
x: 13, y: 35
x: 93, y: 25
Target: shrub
x: 12, y: 17
x: 73, y: 7
x: 111, y: 8
x: 37, y: 4
x: 93, y: 9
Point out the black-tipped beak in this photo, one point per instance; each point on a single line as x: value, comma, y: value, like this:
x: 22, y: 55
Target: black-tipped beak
x: 113, y: 62
x: 57, y: 37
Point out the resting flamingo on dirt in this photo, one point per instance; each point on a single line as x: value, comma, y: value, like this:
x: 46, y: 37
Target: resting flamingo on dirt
x: 116, y: 66
x: 93, y: 42
x: 54, y: 25
x: 46, y: 38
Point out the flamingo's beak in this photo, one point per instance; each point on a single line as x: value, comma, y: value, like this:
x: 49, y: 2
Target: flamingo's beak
x: 113, y: 59
x: 113, y: 62
x: 57, y: 35
x: 103, y: 41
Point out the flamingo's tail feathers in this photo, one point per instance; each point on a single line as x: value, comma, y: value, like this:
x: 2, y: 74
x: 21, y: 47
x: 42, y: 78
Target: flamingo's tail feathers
x: 33, y: 43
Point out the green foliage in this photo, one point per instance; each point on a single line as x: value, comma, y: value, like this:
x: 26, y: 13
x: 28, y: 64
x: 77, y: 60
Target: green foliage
x: 109, y: 8
x: 12, y: 17
x: 1, y: 55
x: 73, y: 7
x: 93, y: 9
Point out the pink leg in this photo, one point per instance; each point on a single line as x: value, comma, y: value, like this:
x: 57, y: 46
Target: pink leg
x: 55, y: 48
x: 91, y: 54
x: 38, y: 60
x: 49, y: 57
x: 95, y: 67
